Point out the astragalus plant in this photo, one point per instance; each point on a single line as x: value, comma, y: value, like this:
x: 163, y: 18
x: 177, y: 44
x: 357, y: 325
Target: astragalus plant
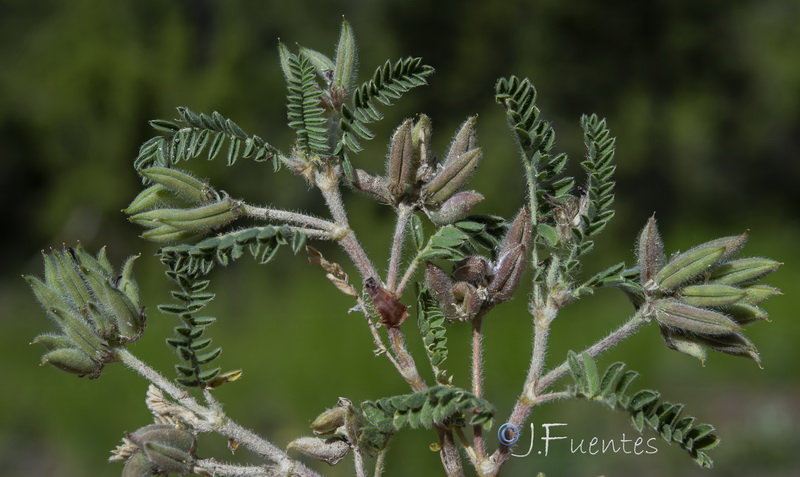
x: 447, y: 269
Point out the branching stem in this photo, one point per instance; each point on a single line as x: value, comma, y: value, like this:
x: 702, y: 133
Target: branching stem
x: 403, y: 215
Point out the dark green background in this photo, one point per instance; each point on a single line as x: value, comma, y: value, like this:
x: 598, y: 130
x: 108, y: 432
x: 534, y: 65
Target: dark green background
x: 704, y: 98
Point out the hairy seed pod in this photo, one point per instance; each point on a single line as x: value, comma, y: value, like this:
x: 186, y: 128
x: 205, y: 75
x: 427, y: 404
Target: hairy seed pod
x: 344, y: 71
x: 169, y: 234
x: 127, y: 283
x: 180, y: 183
x: 138, y: 465
x: 710, y: 294
x: 451, y: 177
x: 650, y: 253
x: 203, y: 218
x: 442, y: 288
x: 744, y: 313
x: 518, y: 233
x: 53, y: 341
x: 150, y: 198
x: 168, y: 459
x: 508, y: 272
x: 733, y: 344
x: 71, y: 283
x: 687, y: 265
x: 683, y: 344
x: 470, y: 300
x: 72, y: 360
x: 329, y: 420
x: 455, y: 208
x: 676, y: 315
x: 465, y: 140
x: 80, y: 332
x: 421, y: 142
x: 471, y: 269
x: 330, y: 451
x: 744, y: 270
x: 400, y: 167
x: 755, y: 294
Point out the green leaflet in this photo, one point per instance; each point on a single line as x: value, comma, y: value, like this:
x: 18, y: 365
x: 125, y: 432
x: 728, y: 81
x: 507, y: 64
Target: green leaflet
x: 645, y: 407
x: 459, y: 240
x: 435, y: 405
x: 306, y: 116
x: 431, y: 325
x: 599, y: 170
x: 193, y: 134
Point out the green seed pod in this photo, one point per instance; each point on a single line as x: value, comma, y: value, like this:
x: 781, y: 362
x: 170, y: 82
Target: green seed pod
x: 46, y: 296
x: 684, y: 344
x: 464, y: 141
x: 169, y: 234
x: 329, y: 421
x: 676, y: 315
x: 53, y: 341
x: 72, y: 284
x: 104, y: 324
x: 127, y: 283
x: 508, y: 272
x: 421, y: 141
x: 451, y: 177
x: 321, y: 62
x: 72, y: 360
x: 455, y: 208
x: 687, y: 265
x: 744, y: 313
x: 166, y: 435
x: 650, y: 253
x: 755, y: 294
x: 203, y: 218
x: 330, y: 451
x: 116, y: 310
x: 400, y: 167
x: 344, y: 73
x: 154, y: 196
x: 80, y: 332
x: 733, y: 344
x: 181, y: 184
x: 167, y: 459
x: 86, y: 260
x: 710, y: 294
x: 744, y: 270
x: 138, y: 465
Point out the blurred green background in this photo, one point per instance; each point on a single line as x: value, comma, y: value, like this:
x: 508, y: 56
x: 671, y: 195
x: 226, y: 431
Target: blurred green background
x: 704, y: 98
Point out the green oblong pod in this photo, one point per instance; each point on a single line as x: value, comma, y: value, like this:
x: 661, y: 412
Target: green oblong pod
x: 138, y: 465
x: 71, y: 360
x: 181, y: 183
x: 104, y: 325
x: 85, y: 260
x: 687, y: 265
x: 79, y: 332
x: 204, y: 217
x: 127, y: 283
x: 743, y: 270
x: 451, y: 177
x: 711, y: 294
x: 73, y: 284
x: 52, y: 341
x: 110, y: 310
x: 345, y: 69
x: 684, y: 344
x: 676, y: 315
x: 745, y: 313
x: 464, y: 141
x: 329, y: 421
x: 169, y: 234
x: 320, y: 61
x: 400, y: 167
x: 734, y: 344
x: 167, y: 459
x: 755, y: 294
x: 150, y: 198
x: 46, y: 296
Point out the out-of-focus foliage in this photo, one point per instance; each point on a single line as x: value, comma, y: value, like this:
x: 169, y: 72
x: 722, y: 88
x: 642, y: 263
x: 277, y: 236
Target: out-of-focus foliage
x: 704, y: 98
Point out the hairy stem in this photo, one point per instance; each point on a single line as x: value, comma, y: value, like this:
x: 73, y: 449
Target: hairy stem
x: 403, y: 215
x: 449, y: 454
x: 288, y: 217
x: 407, y: 366
x: 214, y: 420
x: 214, y: 467
x: 380, y: 461
x: 477, y: 381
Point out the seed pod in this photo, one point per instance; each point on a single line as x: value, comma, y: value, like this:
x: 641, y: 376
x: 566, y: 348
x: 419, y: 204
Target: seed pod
x: 744, y: 313
x: 181, y: 184
x: 400, y: 167
x: 330, y: 451
x: 683, y: 344
x: 472, y: 269
x: 127, y: 283
x: 711, y: 294
x: 115, y: 307
x: 169, y: 234
x: 650, y: 253
x: 168, y: 459
x: 441, y: 286
x: 371, y: 184
x: 744, y: 270
x: 455, y: 208
x: 329, y: 421
x: 465, y: 140
x: 508, y: 272
x: 71, y: 283
x: 519, y: 232
x: 86, y: 260
x: 203, y: 218
x: 733, y: 244
x: 80, y: 332
x: 52, y: 341
x: 687, y: 265
x: 451, y: 177
x: 46, y: 296
x: 734, y: 344
x: 138, y: 465
x: 674, y: 314
x: 420, y: 142
x: 72, y: 360
x: 154, y: 196
x: 755, y: 294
